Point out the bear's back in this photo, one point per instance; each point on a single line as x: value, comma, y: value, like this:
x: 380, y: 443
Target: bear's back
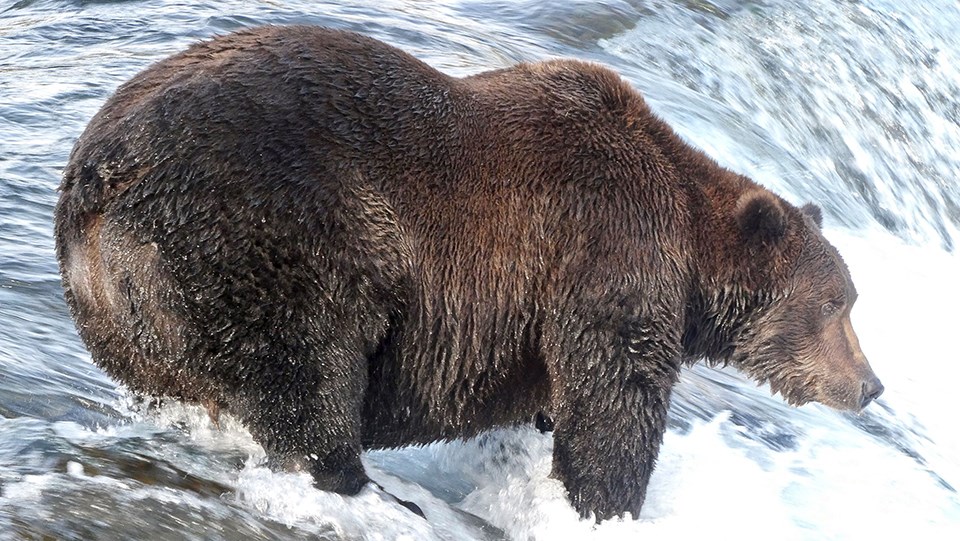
x: 276, y: 100
x: 270, y: 100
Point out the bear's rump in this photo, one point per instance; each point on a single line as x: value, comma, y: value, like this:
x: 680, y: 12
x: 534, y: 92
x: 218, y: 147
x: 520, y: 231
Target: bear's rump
x: 126, y: 298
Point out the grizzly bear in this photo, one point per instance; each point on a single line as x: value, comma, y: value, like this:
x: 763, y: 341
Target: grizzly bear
x: 347, y: 249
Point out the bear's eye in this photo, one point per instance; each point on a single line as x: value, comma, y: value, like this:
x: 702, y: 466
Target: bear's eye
x: 831, y: 308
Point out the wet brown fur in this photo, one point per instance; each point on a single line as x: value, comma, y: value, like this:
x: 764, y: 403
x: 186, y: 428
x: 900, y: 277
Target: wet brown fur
x: 348, y: 249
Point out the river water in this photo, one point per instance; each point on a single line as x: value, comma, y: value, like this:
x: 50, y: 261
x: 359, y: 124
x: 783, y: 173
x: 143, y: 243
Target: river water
x: 850, y: 104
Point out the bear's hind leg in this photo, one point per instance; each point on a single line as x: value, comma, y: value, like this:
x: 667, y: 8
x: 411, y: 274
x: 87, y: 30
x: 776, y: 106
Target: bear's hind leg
x: 308, y: 415
x: 300, y: 395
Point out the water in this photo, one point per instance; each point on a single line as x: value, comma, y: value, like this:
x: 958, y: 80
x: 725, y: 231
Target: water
x: 849, y: 104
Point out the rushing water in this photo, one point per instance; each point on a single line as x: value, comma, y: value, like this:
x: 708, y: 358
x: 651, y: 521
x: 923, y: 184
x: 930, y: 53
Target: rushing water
x: 851, y: 104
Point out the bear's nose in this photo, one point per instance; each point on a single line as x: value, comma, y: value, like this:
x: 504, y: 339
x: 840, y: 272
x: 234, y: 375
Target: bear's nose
x: 872, y: 388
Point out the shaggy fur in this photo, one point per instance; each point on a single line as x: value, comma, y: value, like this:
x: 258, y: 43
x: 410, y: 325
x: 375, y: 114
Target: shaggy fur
x: 348, y: 249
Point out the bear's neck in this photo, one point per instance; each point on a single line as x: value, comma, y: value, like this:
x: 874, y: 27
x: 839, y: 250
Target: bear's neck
x: 731, y: 285
x: 712, y: 194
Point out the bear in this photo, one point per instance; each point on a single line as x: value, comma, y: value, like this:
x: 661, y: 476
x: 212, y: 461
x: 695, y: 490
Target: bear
x: 347, y: 249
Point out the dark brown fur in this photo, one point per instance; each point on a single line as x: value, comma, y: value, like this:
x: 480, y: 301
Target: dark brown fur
x: 348, y: 249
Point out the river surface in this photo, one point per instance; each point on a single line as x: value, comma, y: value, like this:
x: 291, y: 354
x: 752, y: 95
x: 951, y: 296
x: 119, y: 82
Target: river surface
x: 850, y: 104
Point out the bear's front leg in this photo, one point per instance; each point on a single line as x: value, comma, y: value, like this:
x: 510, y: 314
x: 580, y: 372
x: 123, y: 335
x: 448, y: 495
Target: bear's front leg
x: 611, y: 394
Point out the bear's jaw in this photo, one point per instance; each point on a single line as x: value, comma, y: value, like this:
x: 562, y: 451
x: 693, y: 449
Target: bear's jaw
x: 764, y: 351
x: 800, y: 382
x: 795, y: 393
x: 796, y: 387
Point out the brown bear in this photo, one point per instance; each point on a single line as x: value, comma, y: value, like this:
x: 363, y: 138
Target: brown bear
x: 347, y: 249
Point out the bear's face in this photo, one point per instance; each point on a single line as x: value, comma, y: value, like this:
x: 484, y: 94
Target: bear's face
x: 803, y: 343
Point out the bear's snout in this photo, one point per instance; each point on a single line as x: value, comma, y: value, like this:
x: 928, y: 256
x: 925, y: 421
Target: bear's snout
x: 871, y: 390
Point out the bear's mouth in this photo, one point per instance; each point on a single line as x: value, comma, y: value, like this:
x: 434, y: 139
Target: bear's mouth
x: 847, y: 396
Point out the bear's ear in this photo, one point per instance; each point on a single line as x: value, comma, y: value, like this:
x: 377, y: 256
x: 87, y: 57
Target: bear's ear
x: 814, y: 213
x: 761, y: 217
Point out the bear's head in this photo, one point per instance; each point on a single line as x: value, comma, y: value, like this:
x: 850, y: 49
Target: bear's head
x: 799, y: 338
